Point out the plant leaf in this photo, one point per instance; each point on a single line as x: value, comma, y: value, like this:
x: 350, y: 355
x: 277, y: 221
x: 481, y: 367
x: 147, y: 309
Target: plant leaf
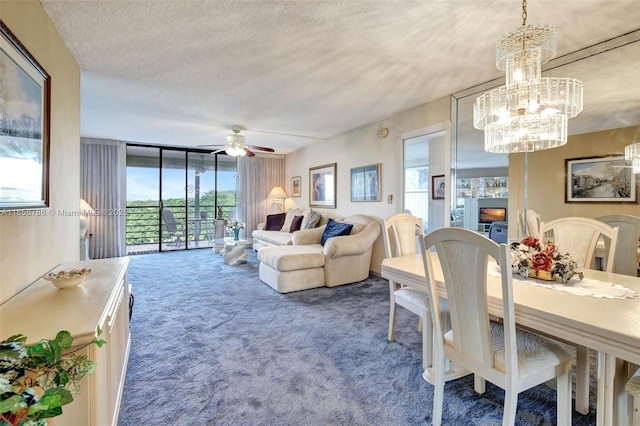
x: 13, y: 404
x: 64, y: 339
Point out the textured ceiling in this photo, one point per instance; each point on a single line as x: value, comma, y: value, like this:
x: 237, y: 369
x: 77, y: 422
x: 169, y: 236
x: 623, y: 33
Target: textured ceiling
x: 295, y: 72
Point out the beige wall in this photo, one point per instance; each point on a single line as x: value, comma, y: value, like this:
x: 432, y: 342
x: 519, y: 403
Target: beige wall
x: 32, y: 245
x: 547, y: 177
x: 360, y: 148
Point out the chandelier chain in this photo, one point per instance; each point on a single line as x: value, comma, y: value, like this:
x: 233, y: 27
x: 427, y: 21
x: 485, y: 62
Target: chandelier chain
x: 524, y: 12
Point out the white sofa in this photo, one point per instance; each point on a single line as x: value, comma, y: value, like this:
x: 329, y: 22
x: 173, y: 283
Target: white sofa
x: 263, y: 238
x: 306, y: 264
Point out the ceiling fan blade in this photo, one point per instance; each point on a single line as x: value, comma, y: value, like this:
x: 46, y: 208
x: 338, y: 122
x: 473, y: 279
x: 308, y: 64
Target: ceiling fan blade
x: 249, y: 153
x: 261, y: 148
x: 219, y: 150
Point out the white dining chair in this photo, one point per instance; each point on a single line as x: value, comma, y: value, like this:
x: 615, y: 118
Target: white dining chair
x: 533, y: 223
x: 633, y: 389
x: 626, y: 259
x: 579, y: 236
x: 512, y: 359
x: 400, y: 234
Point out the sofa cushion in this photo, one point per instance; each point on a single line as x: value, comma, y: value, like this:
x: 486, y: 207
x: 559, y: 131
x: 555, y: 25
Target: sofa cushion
x: 277, y: 238
x: 295, y: 223
x: 314, y: 220
x: 292, y: 258
x: 335, y: 229
x: 291, y: 213
x: 275, y: 222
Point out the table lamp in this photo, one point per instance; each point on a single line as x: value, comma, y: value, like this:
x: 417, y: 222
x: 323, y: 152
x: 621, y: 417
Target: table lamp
x: 278, y: 195
x: 85, y: 211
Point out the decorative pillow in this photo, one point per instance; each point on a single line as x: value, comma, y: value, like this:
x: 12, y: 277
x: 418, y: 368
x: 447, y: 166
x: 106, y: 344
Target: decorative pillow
x: 314, y: 220
x: 335, y: 229
x: 274, y: 222
x: 295, y: 223
x: 291, y: 213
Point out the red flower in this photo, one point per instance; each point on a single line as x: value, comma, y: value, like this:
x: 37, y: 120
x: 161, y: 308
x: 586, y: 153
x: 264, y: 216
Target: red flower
x: 541, y: 261
x: 531, y: 242
x: 549, y: 249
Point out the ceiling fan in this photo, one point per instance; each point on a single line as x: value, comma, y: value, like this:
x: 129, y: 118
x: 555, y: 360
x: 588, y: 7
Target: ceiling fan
x: 236, y: 147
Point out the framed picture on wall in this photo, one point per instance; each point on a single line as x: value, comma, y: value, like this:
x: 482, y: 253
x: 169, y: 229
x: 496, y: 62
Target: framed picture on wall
x: 365, y: 183
x: 322, y: 186
x: 438, y: 187
x: 24, y: 126
x: 295, y: 186
x: 600, y: 180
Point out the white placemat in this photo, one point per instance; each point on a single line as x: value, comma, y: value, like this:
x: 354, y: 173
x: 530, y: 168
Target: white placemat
x: 586, y: 287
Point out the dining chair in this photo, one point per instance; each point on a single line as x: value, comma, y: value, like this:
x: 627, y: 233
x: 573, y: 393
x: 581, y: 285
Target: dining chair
x: 626, y: 260
x: 400, y: 236
x: 579, y: 236
x: 633, y: 389
x: 510, y: 358
x: 173, y: 228
x: 533, y: 223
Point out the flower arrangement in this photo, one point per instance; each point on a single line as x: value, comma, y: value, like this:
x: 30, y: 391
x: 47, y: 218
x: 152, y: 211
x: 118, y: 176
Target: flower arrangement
x: 234, y: 224
x: 545, y: 261
x: 36, y: 381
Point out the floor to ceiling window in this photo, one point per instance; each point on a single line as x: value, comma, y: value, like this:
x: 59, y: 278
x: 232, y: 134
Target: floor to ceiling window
x: 174, y: 196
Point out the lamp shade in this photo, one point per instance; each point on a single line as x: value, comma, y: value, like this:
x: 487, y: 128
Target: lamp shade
x: 277, y: 192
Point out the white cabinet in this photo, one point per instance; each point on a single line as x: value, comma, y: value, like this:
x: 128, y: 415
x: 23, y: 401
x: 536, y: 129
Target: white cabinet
x: 41, y: 310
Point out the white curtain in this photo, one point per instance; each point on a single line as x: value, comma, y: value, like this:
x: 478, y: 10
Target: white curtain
x: 101, y: 186
x: 256, y: 177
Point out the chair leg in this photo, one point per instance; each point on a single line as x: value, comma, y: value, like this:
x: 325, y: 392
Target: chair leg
x: 582, y: 380
x: 510, y: 406
x: 564, y: 398
x: 427, y: 340
x: 438, y: 391
x: 479, y: 384
x: 392, y: 318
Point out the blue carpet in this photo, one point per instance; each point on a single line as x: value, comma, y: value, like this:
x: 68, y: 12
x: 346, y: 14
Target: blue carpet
x: 212, y: 345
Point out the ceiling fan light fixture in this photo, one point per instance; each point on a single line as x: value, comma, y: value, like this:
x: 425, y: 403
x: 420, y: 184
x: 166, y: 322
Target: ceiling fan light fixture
x: 530, y: 112
x: 235, y: 151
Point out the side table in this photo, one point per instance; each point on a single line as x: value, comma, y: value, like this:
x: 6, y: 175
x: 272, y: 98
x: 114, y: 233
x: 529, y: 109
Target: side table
x: 233, y: 252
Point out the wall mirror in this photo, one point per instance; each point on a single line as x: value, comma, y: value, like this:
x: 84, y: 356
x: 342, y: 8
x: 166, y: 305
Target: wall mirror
x: 608, y: 71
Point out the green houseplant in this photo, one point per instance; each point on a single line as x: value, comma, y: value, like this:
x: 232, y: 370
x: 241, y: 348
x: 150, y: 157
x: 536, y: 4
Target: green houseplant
x: 36, y: 381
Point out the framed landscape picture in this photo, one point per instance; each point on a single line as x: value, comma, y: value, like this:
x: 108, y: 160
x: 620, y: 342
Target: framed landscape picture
x: 365, y: 183
x: 295, y: 186
x: 600, y: 180
x: 322, y: 186
x: 438, y: 187
x: 24, y: 126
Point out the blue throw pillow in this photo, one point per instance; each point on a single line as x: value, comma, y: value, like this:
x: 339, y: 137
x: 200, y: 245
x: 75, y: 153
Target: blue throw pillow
x: 335, y: 229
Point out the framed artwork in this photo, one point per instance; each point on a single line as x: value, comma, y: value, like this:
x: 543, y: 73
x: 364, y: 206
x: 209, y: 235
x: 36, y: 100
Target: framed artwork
x: 295, y: 186
x: 24, y: 126
x: 600, y: 180
x: 365, y: 183
x: 322, y: 186
x: 438, y: 186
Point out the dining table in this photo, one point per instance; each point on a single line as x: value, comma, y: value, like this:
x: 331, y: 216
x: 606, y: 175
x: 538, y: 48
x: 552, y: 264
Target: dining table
x: 610, y: 326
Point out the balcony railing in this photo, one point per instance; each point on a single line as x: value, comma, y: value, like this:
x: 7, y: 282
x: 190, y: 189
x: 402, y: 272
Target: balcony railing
x: 143, y: 224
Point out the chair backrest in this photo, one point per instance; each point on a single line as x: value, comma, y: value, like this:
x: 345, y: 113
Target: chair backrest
x: 626, y: 260
x: 399, y: 235
x: 169, y: 220
x: 463, y: 256
x: 533, y: 223
x: 578, y: 236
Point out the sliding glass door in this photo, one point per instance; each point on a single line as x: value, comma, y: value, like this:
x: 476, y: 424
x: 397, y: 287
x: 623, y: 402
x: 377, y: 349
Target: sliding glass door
x: 174, y: 196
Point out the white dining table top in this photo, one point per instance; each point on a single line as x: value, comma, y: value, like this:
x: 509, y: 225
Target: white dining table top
x: 607, y: 325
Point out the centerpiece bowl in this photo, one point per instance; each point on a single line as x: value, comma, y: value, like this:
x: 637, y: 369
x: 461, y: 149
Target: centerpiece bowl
x: 67, y: 279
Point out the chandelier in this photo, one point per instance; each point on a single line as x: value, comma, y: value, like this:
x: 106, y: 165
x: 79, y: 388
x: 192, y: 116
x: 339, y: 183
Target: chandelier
x: 235, y: 144
x: 632, y: 153
x: 530, y: 112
